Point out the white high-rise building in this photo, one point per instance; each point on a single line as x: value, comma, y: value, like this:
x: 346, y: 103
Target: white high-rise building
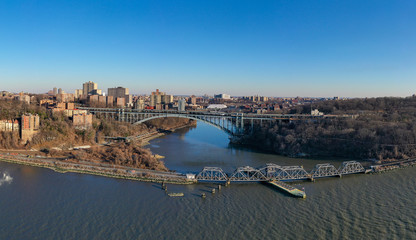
x: 181, y: 105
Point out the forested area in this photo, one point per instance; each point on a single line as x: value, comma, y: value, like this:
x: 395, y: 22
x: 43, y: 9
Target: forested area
x: 124, y: 154
x: 383, y: 129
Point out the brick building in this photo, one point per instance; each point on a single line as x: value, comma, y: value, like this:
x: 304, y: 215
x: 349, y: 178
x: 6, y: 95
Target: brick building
x: 29, y: 126
x: 82, y: 121
x: 9, y: 126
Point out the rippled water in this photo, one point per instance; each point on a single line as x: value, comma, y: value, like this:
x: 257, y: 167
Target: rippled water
x: 42, y: 204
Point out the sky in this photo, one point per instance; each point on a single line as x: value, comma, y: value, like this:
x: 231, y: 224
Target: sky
x: 354, y: 48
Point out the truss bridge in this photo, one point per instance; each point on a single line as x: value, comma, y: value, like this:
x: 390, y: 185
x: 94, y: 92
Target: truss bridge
x: 272, y: 172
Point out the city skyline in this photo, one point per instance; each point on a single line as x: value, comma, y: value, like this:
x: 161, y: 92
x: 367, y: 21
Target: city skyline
x: 242, y: 48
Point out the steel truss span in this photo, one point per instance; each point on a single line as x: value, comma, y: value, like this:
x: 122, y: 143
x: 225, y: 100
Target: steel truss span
x: 212, y: 174
x: 272, y: 172
x: 324, y: 170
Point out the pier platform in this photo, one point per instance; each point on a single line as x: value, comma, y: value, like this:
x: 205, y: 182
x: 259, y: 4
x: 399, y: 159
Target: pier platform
x: 288, y: 188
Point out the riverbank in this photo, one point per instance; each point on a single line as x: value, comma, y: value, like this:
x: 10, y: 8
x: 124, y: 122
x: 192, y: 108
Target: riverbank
x: 64, y: 161
x: 106, y: 170
x: 156, y: 134
x: 393, y: 165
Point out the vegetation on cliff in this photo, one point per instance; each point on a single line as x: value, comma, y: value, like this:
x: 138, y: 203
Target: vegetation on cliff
x: 384, y: 128
x: 123, y: 154
x: 57, y: 132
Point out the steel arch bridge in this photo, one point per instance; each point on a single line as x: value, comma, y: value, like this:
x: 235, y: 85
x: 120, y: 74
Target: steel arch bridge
x: 234, y: 124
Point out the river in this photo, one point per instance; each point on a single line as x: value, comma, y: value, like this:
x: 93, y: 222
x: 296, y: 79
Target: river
x: 37, y: 203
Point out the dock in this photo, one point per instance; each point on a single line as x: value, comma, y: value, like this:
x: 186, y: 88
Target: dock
x: 288, y: 188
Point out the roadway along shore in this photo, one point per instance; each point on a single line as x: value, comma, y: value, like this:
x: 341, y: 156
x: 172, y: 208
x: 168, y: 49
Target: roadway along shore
x: 63, y: 165
x: 101, y: 169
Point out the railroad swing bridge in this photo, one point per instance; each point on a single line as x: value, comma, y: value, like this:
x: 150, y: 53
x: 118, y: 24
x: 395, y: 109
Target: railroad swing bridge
x: 272, y: 172
x: 233, y: 124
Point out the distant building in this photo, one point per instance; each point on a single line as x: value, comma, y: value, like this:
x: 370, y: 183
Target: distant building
x: 120, y: 92
x: 139, y: 104
x: 23, y: 98
x: 259, y: 98
x: 55, y: 91
x: 222, y: 96
x: 65, y: 97
x: 181, y: 105
x: 96, y: 92
x: 93, y: 98
x: 216, y: 106
x: 120, y: 102
x: 160, y: 98
x: 102, y: 100
x: 78, y: 93
x: 60, y: 91
x: 110, y: 101
x: 192, y: 100
x: 316, y: 112
x: 90, y: 88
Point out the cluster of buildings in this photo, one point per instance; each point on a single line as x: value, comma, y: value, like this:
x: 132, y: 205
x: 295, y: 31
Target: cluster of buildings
x: 60, y: 102
x: 116, y: 97
x: 22, y: 97
x: 27, y: 126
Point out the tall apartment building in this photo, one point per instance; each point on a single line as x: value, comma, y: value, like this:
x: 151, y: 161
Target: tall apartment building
x: 90, y: 88
x: 222, y: 96
x: 181, y: 105
x: 259, y: 98
x: 29, y: 127
x: 120, y: 92
x: 192, y: 100
x: 78, y: 93
x: 160, y: 98
x: 139, y: 104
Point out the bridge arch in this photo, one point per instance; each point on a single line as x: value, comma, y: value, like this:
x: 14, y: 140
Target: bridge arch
x: 229, y: 132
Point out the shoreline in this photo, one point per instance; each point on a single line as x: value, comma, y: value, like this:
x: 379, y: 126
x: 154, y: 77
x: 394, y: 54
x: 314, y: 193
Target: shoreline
x: 157, y: 134
x: 120, y: 172
x: 101, y: 169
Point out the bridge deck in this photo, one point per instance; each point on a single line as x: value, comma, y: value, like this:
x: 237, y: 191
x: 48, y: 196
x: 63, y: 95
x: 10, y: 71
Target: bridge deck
x: 272, y: 172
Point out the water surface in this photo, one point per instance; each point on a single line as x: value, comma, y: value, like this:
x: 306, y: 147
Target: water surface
x: 42, y: 204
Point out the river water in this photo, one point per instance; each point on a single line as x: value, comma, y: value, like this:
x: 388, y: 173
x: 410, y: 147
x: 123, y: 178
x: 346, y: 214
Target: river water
x: 37, y: 203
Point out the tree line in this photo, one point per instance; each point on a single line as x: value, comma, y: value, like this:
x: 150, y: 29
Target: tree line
x: 384, y: 129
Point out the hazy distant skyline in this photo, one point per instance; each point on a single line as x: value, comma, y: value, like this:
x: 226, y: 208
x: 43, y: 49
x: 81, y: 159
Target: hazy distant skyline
x: 271, y: 48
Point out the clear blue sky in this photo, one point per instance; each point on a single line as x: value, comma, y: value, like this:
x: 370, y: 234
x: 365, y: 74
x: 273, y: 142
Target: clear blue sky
x: 274, y: 48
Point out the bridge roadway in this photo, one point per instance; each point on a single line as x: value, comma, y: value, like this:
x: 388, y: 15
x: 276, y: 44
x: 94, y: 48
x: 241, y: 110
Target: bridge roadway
x: 231, y: 123
x: 272, y: 172
x: 127, y: 111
